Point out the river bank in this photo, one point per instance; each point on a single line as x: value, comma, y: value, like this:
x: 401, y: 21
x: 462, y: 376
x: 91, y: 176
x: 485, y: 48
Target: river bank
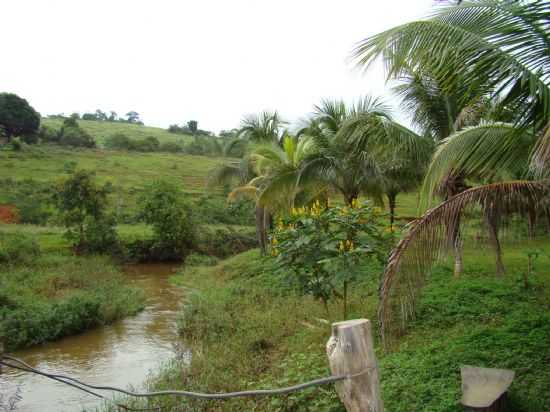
x: 247, y: 331
x: 56, y: 294
x: 122, y: 353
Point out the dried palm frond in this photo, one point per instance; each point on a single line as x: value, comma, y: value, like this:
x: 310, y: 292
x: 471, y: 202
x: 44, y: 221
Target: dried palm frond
x: 540, y: 161
x: 428, y: 240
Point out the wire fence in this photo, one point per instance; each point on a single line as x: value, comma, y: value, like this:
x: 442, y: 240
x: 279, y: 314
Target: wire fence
x: 18, y: 364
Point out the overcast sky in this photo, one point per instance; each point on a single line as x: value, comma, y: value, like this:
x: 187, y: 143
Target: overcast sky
x: 176, y: 60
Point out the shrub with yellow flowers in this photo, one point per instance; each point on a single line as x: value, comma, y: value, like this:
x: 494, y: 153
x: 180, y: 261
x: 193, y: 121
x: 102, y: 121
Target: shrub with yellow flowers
x: 322, y: 250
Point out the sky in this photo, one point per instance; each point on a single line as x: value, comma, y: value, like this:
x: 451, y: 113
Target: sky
x: 209, y: 60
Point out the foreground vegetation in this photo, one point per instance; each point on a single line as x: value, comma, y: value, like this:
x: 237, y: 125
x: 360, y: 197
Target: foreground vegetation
x: 43, y: 298
x: 476, y: 320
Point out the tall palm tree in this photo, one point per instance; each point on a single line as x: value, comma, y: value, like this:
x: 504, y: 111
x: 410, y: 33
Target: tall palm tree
x: 499, y: 48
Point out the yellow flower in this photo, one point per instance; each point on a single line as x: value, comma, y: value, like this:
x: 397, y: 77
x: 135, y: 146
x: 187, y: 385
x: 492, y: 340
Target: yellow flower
x: 342, y: 247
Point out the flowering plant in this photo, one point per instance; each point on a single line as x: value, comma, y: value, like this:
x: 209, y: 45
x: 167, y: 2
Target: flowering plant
x: 323, y: 249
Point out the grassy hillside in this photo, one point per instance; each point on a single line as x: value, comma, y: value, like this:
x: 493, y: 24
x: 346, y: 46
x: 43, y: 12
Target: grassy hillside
x: 127, y: 171
x: 102, y: 130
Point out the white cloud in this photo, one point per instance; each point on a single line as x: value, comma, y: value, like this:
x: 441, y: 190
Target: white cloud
x: 175, y: 60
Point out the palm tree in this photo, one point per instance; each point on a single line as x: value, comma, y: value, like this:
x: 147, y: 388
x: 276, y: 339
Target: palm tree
x: 500, y: 49
x: 263, y: 128
x: 350, y: 144
x: 274, y: 187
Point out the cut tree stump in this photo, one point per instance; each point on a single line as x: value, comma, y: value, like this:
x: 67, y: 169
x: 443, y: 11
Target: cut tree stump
x: 350, y: 351
x: 484, y: 389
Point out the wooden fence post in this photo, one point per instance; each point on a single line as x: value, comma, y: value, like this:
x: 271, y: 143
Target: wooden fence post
x: 350, y: 351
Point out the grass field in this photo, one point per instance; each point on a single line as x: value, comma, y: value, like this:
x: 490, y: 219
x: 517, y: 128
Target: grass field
x: 129, y: 172
x: 101, y: 130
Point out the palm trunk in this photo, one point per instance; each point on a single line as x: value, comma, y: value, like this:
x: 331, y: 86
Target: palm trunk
x: 532, y: 221
x: 260, y: 229
x: 457, y: 250
x: 454, y: 186
x: 267, y: 224
x: 392, y: 197
x: 492, y: 219
x: 345, y: 300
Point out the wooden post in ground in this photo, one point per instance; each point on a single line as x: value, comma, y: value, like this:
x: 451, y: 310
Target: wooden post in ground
x: 350, y: 351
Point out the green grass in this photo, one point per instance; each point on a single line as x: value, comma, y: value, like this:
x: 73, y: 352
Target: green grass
x: 129, y: 172
x: 101, y: 130
x: 57, y: 295
x: 247, y: 332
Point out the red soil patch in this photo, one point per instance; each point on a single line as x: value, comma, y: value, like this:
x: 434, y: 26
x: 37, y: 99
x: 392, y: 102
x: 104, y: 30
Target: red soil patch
x: 9, y: 214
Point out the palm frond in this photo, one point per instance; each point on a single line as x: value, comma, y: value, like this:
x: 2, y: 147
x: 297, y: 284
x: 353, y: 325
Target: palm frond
x: 427, y: 242
x: 496, y: 46
x: 540, y: 162
x: 482, y: 152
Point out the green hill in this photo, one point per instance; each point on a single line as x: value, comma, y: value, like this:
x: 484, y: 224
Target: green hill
x: 101, y: 130
x: 129, y: 172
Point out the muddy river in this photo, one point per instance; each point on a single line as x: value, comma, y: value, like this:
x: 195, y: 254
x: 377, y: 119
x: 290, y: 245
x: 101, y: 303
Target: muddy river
x: 120, y: 354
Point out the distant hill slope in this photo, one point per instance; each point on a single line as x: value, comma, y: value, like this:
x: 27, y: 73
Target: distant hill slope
x: 129, y: 172
x: 101, y: 130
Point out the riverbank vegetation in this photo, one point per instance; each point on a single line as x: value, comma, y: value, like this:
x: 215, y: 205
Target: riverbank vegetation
x: 44, y: 297
x: 477, y: 320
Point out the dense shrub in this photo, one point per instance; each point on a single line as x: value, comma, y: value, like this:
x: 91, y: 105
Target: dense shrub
x: 224, y: 242
x: 118, y: 141
x: 30, y: 138
x: 18, y: 248
x: 171, y: 147
x: 101, y: 235
x: 216, y: 209
x: 82, y: 204
x: 76, y: 137
x: 149, y: 144
x: 48, y: 134
x: 175, y: 229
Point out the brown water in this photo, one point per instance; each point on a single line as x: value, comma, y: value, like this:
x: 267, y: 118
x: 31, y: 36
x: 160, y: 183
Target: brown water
x: 120, y: 354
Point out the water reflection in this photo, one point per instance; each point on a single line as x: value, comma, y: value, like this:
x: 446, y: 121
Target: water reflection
x: 118, y: 355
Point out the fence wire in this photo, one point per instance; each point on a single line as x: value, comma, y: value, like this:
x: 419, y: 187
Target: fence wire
x: 16, y: 363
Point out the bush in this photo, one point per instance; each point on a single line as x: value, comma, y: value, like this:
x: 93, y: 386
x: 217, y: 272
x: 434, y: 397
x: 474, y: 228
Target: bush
x: 171, y: 147
x: 323, y: 250
x: 225, y: 242
x: 18, y: 248
x: 82, y: 204
x: 174, y: 227
x: 118, y: 141
x: 30, y: 138
x: 16, y: 144
x: 75, y: 137
x: 48, y: 134
x: 149, y: 144
x: 101, y: 235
